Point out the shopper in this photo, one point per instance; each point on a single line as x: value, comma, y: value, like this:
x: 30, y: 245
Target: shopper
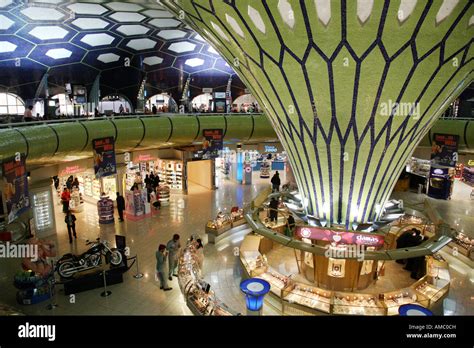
x: 173, y: 247
x: 121, y: 109
x: 161, y: 267
x: 154, y: 110
x: 65, y: 198
x: 200, y: 252
x: 414, y: 240
x: 75, y: 183
x: 276, y: 182
x: 70, y: 221
x: 120, y: 206
x: 156, y: 180
x: 290, y: 225
x: 56, y: 182
x: 28, y: 114
x: 273, y: 210
x: 403, y: 241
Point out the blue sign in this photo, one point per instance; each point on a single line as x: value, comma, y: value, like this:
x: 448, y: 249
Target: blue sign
x: 255, y: 290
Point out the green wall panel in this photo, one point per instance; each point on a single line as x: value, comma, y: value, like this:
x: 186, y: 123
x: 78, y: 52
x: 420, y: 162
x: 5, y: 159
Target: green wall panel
x: 72, y: 137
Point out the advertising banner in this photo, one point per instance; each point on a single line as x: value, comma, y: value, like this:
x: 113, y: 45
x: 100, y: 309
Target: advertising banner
x: 357, y: 238
x: 15, y: 187
x: 104, y: 157
x: 213, y: 142
x: 444, y: 150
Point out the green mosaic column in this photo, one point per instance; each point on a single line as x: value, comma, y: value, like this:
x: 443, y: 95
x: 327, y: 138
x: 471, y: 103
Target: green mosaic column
x: 350, y: 87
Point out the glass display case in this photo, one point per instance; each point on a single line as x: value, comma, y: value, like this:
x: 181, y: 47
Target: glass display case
x: 43, y: 211
x: 418, y: 166
x: 277, y: 281
x: 432, y: 288
x: 221, y: 223
x: 347, y: 303
x: 308, y: 296
x: 394, y: 299
x: 199, y: 296
x: 254, y: 262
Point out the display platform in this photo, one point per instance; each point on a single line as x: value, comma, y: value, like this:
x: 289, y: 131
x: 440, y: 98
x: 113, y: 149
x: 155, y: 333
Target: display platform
x: 93, y: 279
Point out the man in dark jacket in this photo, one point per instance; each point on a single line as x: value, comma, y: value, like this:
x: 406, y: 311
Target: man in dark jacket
x: 70, y: 221
x: 120, y: 206
x: 273, y: 210
x: 276, y: 182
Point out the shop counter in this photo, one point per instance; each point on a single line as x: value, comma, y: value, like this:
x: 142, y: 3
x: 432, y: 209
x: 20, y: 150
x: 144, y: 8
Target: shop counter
x: 298, y: 298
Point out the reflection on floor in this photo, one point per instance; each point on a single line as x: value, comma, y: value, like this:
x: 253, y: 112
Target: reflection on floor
x: 186, y: 215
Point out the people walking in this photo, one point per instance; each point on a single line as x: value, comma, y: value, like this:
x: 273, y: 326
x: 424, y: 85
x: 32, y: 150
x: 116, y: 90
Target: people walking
x: 161, y: 267
x: 120, y: 206
x: 70, y: 221
x: 65, y: 198
x: 56, y: 182
x: 173, y: 247
x: 276, y: 182
x: 200, y: 252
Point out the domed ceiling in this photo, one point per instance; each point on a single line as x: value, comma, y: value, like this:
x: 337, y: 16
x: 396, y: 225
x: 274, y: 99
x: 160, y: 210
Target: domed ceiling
x: 74, y: 41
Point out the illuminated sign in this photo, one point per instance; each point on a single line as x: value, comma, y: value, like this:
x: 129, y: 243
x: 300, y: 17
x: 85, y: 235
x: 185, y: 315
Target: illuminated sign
x: 317, y: 233
x: 270, y: 148
x: 71, y: 170
x: 146, y: 158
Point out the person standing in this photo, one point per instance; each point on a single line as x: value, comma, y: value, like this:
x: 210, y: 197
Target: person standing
x: 70, y: 221
x: 65, y: 198
x: 200, y: 252
x: 161, y: 267
x: 276, y: 182
x: 154, y: 110
x: 290, y: 225
x: 28, y: 114
x: 120, y: 206
x: 273, y: 210
x: 121, y: 109
x: 173, y: 247
x: 56, y: 182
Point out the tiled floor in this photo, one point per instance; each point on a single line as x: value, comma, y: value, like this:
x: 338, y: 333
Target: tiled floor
x: 187, y: 215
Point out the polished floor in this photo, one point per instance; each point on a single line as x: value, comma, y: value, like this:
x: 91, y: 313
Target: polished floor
x: 187, y: 215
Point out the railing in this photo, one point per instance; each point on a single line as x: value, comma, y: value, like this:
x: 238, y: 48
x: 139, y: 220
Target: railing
x: 9, y: 124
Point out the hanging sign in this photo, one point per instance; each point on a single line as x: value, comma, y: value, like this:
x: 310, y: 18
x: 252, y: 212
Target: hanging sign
x: 15, y: 187
x: 212, y: 143
x: 104, y: 157
x: 444, y: 149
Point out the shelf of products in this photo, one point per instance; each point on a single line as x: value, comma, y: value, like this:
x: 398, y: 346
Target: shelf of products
x: 105, y: 208
x: 464, y: 245
x: 76, y: 204
x: 419, y: 167
x: 277, y: 281
x: 254, y: 262
x: 432, y: 288
x: 468, y: 175
x: 346, y: 303
x: 200, y: 299
x: 308, y: 296
x: 394, y: 299
x: 164, y: 195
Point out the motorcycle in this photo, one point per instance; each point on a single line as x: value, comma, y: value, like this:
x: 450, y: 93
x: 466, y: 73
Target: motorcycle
x: 71, y: 264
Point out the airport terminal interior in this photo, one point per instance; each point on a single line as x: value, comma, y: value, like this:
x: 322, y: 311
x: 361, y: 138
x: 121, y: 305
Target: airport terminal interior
x: 224, y: 158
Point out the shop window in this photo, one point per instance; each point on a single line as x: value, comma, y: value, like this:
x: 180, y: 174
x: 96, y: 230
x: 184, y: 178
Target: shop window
x: 65, y: 104
x: 163, y: 103
x: 115, y: 104
x: 11, y: 104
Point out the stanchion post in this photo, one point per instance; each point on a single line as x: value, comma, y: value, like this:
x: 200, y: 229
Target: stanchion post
x: 138, y: 275
x: 106, y: 292
x: 52, y: 294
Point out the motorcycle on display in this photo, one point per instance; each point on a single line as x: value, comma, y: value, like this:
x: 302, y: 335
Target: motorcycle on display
x: 71, y: 264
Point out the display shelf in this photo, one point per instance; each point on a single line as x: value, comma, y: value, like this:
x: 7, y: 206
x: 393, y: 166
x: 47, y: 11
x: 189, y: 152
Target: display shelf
x: 278, y: 282
x: 308, y: 297
x: 254, y: 263
x: 432, y: 288
x: 348, y: 303
x: 105, y: 208
x: 394, y: 299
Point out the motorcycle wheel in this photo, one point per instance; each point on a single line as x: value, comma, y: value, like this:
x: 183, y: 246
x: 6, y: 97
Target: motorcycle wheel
x: 63, y: 269
x: 115, y: 257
